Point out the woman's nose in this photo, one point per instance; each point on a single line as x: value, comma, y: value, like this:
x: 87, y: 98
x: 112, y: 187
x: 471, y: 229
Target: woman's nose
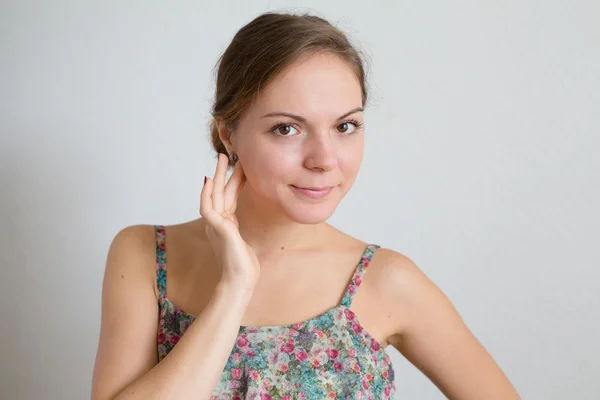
x: 321, y: 153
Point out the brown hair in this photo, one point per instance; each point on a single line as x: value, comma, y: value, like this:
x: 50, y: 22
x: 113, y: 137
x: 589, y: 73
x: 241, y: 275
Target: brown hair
x: 263, y: 48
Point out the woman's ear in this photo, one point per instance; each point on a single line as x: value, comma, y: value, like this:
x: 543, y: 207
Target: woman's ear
x: 225, y: 134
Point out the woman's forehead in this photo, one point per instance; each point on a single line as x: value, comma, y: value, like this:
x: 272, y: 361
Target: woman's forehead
x: 317, y: 86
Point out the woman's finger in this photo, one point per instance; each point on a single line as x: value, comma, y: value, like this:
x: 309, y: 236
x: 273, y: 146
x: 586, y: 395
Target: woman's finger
x: 219, y: 183
x: 206, y: 207
x: 233, y: 187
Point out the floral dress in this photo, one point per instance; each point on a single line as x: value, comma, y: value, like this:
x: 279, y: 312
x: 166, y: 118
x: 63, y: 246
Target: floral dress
x: 330, y: 356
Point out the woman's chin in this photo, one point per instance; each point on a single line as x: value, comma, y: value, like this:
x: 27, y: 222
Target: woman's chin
x: 311, y: 213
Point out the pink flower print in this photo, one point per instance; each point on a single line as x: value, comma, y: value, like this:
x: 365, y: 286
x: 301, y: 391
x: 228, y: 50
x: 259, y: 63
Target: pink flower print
x: 338, y: 366
x: 356, y: 328
x: 356, y: 367
x: 351, y: 290
x: 320, y: 334
x: 352, y: 352
x: 283, y: 367
x: 385, y: 374
x: 301, y: 355
x: 375, y: 345
x: 357, y: 280
x: 237, y: 357
x: 297, y: 325
x: 365, y: 384
x: 273, y: 356
x: 288, y: 347
x: 316, y: 363
x: 236, y: 373
x: 320, y: 354
x: 369, y: 376
x: 332, y: 353
x: 242, y: 341
x: 253, y: 375
x: 253, y: 330
x: 286, y: 397
x: 174, y: 339
x: 331, y: 395
x: 350, y: 315
x: 234, y: 384
x: 302, y: 396
x: 316, y: 349
x: 265, y: 396
x: 161, y: 338
x: 387, y: 389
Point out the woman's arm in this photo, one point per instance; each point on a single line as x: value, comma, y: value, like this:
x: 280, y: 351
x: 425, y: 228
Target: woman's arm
x: 126, y: 363
x: 431, y: 334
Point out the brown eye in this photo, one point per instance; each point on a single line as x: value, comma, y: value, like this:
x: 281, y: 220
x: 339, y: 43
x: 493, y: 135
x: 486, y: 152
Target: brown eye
x: 346, y: 127
x: 283, y: 130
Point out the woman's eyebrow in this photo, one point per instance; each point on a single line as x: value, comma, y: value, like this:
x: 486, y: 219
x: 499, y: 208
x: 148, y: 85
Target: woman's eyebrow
x: 302, y: 119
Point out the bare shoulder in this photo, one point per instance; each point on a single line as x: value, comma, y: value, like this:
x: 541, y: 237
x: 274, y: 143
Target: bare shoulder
x: 399, y: 284
x: 133, y: 238
x: 133, y: 242
x: 429, y: 331
x: 133, y: 249
x: 132, y: 252
x: 407, y: 293
x: 394, y: 269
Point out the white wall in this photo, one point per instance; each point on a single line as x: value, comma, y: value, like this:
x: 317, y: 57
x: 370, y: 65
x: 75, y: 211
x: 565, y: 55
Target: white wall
x: 481, y: 164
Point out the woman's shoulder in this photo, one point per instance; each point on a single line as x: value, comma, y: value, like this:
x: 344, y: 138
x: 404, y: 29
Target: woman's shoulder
x: 392, y: 269
x: 389, y: 269
x: 385, y: 263
x: 133, y: 241
x: 141, y: 237
x: 391, y: 283
x: 404, y: 290
x: 133, y: 249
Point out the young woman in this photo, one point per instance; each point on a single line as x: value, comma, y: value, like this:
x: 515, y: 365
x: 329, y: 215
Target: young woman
x: 261, y: 296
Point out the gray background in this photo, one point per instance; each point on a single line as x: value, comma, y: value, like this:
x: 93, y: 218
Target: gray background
x: 481, y: 164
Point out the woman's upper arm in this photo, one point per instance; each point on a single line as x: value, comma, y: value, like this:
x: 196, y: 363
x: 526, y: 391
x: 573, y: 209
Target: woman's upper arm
x: 432, y: 336
x: 129, y: 318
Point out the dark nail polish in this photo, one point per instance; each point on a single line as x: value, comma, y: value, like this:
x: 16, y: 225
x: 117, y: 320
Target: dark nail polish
x: 205, y: 180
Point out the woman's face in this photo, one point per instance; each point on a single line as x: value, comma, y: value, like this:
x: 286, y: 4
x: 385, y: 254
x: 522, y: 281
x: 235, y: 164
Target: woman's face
x: 319, y: 143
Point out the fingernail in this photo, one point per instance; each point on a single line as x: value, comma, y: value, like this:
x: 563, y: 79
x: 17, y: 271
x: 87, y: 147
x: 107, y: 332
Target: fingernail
x: 205, y: 180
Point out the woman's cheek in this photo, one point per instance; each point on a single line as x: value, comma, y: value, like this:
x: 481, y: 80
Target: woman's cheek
x: 280, y: 164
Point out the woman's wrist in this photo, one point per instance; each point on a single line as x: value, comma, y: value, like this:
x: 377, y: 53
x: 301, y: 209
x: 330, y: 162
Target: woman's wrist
x: 236, y: 290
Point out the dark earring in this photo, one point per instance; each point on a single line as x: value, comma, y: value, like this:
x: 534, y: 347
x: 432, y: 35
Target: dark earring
x: 234, y: 157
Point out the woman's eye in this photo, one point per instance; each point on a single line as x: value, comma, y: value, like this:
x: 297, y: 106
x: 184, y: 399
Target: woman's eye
x: 284, y: 130
x: 347, y: 127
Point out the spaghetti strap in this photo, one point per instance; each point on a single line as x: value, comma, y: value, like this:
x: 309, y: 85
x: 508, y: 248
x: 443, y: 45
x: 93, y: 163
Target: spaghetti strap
x: 352, y: 288
x: 161, y: 260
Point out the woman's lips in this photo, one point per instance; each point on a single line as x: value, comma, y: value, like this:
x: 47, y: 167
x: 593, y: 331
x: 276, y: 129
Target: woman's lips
x: 313, y: 193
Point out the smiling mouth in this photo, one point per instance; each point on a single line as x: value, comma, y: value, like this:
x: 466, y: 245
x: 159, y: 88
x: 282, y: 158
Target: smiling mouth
x: 314, y: 189
x: 313, y: 193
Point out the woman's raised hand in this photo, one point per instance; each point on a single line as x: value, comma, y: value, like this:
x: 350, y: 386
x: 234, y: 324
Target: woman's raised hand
x: 218, y: 202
